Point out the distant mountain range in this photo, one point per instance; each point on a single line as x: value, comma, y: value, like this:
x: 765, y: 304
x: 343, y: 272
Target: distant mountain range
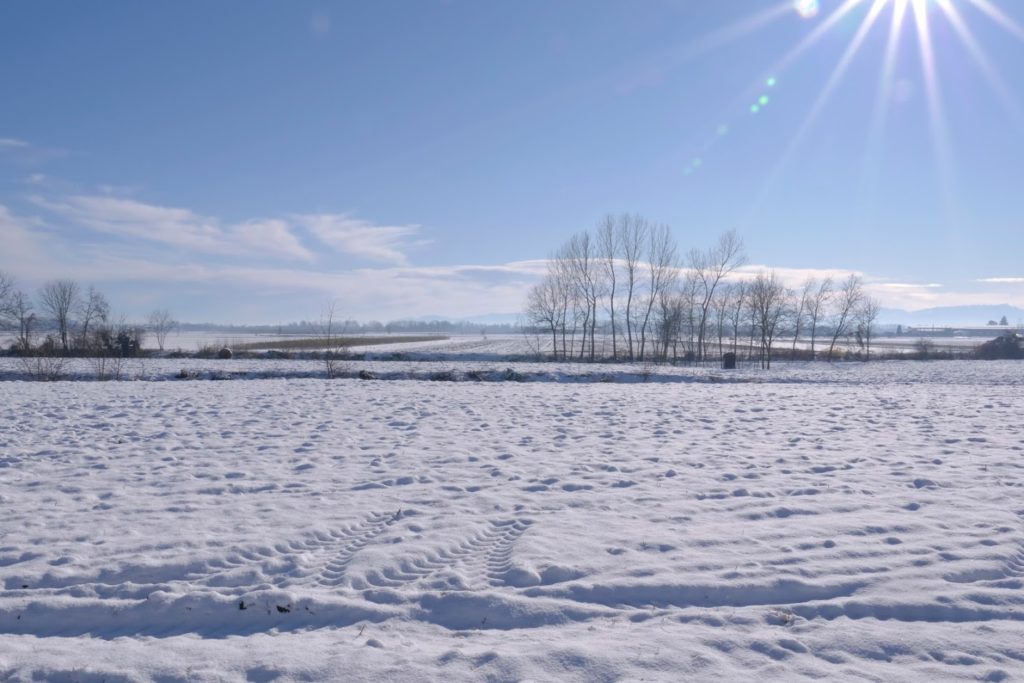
x: 952, y: 316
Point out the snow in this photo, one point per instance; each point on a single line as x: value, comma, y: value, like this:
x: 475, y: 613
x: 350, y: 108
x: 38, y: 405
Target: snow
x: 854, y: 521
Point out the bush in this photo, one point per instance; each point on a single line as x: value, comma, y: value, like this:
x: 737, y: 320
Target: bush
x: 442, y: 376
x: 1005, y: 347
x: 107, y: 367
x: 44, y: 367
x: 511, y: 375
x: 924, y: 348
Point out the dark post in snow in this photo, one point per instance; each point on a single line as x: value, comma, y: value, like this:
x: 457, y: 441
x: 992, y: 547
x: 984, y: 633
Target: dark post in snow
x: 729, y: 361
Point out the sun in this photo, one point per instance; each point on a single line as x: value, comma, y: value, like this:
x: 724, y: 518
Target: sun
x: 908, y: 25
x: 920, y: 15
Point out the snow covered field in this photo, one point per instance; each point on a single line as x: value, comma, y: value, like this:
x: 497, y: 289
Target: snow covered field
x: 853, y: 522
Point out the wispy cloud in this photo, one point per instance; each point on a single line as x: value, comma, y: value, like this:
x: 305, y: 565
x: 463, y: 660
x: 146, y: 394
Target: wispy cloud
x: 792, y: 277
x: 906, y: 285
x: 24, y: 152
x: 355, y: 237
x: 182, y: 228
x: 1003, y: 280
x: 28, y: 251
x: 364, y: 293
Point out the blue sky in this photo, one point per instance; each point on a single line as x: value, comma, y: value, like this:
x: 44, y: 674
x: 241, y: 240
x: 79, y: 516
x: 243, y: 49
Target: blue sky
x: 250, y: 161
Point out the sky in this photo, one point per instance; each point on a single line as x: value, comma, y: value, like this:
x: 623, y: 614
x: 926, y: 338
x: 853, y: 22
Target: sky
x: 249, y: 161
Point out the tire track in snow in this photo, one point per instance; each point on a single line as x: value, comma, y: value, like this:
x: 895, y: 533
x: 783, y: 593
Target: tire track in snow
x: 485, y: 558
x: 334, y: 572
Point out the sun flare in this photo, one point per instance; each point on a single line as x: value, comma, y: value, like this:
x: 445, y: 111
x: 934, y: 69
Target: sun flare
x: 911, y: 26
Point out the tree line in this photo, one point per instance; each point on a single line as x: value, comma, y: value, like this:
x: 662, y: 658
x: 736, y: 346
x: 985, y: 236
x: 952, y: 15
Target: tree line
x: 626, y: 285
x: 66, y: 319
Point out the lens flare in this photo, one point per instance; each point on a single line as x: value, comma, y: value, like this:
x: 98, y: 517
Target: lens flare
x: 909, y: 22
x: 808, y: 9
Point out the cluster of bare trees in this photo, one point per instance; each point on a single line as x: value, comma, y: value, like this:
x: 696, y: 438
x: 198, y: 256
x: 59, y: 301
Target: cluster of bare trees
x: 65, y: 319
x: 624, y: 292
x: 628, y: 271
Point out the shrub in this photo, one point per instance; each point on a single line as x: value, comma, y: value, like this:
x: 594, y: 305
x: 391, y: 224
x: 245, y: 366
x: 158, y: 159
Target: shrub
x: 442, y: 376
x: 924, y: 348
x: 1005, y: 347
x: 44, y: 367
x: 511, y: 375
x: 107, y: 367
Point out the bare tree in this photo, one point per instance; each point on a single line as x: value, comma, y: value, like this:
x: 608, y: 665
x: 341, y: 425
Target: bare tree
x: 608, y: 248
x: 668, y: 323
x: 740, y: 292
x: 801, y: 305
x: 544, y: 308
x: 6, y: 292
x: 567, y: 305
x: 19, y: 310
x: 580, y: 255
x: 768, y: 298
x: 161, y: 323
x: 58, y: 299
x: 567, y: 299
x: 847, y: 301
x: 709, y: 268
x: 92, y: 310
x: 817, y: 305
x: 331, y: 331
x: 689, y: 293
x: 633, y: 231
x: 662, y: 271
x: 867, y: 314
x: 723, y: 305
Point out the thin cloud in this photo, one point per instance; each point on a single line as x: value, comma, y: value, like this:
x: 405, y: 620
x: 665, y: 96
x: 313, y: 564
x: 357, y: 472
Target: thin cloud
x: 182, y: 228
x: 355, y: 237
x: 906, y: 285
x: 1003, y: 280
x: 365, y: 293
x: 24, y: 152
x: 792, y: 277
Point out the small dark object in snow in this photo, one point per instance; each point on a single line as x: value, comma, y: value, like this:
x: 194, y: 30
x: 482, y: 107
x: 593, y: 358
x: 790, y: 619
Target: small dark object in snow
x: 224, y: 354
x: 398, y: 515
x: 241, y: 604
x: 366, y: 374
x: 284, y: 610
x: 24, y: 585
x: 729, y: 361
